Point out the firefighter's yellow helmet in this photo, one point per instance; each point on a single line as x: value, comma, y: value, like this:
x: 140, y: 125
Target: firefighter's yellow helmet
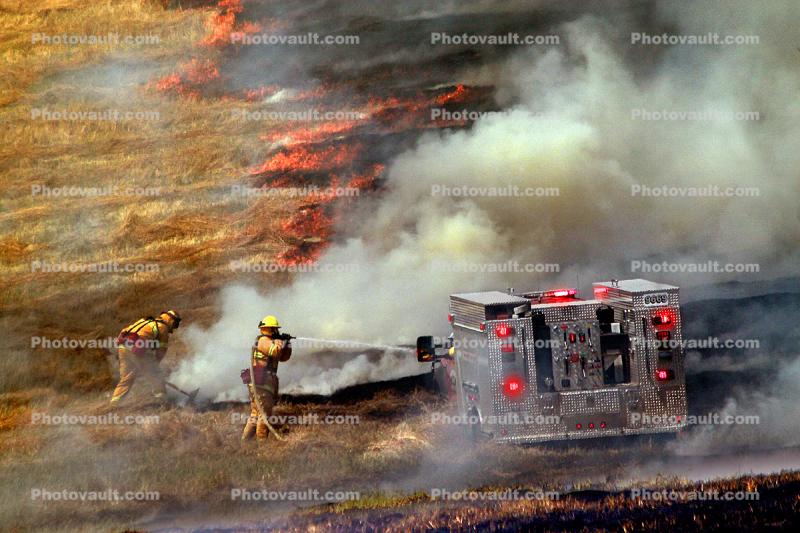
x: 176, y: 318
x: 269, y: 321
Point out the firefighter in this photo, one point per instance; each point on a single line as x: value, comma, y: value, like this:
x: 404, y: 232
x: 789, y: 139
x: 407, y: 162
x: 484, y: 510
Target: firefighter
x: 262, y: 377
x: 141, y: 347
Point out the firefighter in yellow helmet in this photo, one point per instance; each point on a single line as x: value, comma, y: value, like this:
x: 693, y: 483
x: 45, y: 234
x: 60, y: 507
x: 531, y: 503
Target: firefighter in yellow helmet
x: 261, y: 377
x: 141, y: 347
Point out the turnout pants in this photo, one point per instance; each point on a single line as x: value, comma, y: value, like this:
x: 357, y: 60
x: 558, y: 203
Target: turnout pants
x: 143, y: 368
x: 268, y: 397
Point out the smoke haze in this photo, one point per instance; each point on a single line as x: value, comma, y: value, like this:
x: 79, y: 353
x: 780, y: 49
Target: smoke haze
x: 567, y: 123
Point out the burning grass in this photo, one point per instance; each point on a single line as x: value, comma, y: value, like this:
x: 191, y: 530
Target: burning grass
x: 191, y: 78
x: 190, y: 155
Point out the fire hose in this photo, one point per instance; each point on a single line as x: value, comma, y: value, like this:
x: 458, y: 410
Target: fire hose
x: 259, y: 406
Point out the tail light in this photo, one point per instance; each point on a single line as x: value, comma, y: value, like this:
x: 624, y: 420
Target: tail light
x: 662, y: 319
x: 664, y: 374
x: 513, y: 387
x: 503, y: 330
x: 591, y: 425
x: 450, y: 317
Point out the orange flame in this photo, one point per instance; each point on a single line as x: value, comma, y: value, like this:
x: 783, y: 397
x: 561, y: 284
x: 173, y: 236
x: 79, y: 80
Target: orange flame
x: 459, y: 95
x: 305, y: 158
x: 191, y: 76
x: 223, y: 23
x: 322, y: 132
x: 367, y: 180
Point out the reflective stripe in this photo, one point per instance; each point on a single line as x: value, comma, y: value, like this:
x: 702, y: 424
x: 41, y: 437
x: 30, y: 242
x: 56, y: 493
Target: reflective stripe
x: 139, y: 323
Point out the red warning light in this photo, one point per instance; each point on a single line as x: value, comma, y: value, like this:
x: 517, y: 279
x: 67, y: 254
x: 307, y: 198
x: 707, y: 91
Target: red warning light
x: 591, y: 425
x: 578, y: 425
x: 513, y: 387
x: 662, y: 318
x: 503, y: 330
x: 664, y: 374
x: 561, y: 293
x: 602, y: 425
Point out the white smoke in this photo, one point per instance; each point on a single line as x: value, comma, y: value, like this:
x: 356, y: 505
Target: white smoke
x: 760, y: 419
x: 316, y: 366
x: 569, y: 125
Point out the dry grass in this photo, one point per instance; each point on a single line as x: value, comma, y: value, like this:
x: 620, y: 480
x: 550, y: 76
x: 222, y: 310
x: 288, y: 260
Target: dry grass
x: 392, y: 458
x: 190, y: 457
x: 26, y: 63
x: 192, y: 154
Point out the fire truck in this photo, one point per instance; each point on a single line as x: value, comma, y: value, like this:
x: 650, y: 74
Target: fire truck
x: 546, y: 365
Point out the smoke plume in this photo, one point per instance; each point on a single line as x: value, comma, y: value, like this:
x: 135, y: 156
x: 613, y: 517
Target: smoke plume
x: 568, y: 122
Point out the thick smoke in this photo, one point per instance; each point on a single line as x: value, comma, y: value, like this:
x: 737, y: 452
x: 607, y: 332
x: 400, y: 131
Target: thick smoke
x: 316, y: 367
x: 568, y: 123
x: 775, y: 425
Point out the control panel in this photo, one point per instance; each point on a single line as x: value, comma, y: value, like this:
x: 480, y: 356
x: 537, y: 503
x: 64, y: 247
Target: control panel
x: 577, y: 361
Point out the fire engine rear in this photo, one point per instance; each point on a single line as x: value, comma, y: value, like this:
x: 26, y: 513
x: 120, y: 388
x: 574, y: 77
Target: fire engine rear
x: 546, y: 365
